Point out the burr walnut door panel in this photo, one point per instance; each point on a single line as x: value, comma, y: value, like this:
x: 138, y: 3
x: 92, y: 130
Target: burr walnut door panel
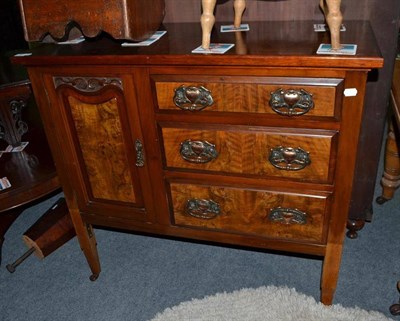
x: 106, y: 145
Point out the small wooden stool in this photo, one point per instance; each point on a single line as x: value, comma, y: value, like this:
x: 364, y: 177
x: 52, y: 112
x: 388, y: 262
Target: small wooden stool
x: 53, y: 229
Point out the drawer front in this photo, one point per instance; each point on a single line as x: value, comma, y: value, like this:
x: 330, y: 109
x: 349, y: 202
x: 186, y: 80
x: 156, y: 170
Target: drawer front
x: 301, y: 156
x: 282, y: 96
x: 253, y: 212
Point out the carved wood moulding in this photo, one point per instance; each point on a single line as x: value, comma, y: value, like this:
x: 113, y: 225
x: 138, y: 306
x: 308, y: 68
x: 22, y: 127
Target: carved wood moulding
x: 87, y: 84
x: 130, y: 20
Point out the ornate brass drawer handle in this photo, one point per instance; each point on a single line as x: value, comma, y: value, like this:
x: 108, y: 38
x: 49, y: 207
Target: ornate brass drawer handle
x: 291, y: 102
x: 289, y: 158
x: 287, y: 216
x: 198, y: 151
x: 201, y: 208
x: 192, y: 98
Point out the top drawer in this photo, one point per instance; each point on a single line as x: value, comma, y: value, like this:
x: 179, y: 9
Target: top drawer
x: 286, y: 96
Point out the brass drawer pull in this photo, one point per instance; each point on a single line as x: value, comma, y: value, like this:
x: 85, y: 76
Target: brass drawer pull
x: 198, y: 151
x: 287, y: 216
x: 192, y: 98
x: 291, y: 102
x: 289, y: 158
x: 201, y: 208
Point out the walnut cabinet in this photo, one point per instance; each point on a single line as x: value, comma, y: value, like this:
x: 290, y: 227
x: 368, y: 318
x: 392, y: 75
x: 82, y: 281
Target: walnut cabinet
x: 256, y: 147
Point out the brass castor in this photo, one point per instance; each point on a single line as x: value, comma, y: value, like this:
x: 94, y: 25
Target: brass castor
x: 93, y: 277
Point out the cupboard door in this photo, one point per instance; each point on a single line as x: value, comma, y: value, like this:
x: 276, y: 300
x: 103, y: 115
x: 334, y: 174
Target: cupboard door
x: 106, y: 144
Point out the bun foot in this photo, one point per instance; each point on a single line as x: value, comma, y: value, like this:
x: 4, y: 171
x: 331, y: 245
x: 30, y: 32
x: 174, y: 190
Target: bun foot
x: 93, y: 277
x: 353, y: 227
x: 380, y: 200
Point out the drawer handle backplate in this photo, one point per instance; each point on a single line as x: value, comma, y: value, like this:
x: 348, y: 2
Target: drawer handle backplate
x: 289, y: 158
x: 287, y: 216
x: 192, y: 98
x: 291, y: 102
x: 202, y: 208
x: 198, y: 151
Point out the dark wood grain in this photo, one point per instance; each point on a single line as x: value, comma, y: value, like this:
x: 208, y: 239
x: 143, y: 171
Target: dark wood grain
x: 396, y: 90
x: 294, y: 45
x: 130, y: 20
x: 32, y: 172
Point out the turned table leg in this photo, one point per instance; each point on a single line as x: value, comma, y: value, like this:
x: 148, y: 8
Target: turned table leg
x: 334, y: 18
x: 391, y: 175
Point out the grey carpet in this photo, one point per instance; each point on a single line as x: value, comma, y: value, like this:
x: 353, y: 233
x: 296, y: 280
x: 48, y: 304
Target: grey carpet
x: 143, y: 275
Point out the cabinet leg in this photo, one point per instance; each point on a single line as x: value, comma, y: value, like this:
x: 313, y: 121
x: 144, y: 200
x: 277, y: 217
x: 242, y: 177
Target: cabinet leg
x: 391, y: 175
x: 330, y: 273
x: 86, y: 238
x: 90, y: 250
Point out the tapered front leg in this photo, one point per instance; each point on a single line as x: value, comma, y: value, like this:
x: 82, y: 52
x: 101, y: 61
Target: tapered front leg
x: 330, y: 272
x: 239, y: 6
x: 334, y: 18
x: 86, y: 237
x: 207, y: 21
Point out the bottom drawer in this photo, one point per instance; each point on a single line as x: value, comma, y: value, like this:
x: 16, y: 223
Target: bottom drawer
x: 268, y: 214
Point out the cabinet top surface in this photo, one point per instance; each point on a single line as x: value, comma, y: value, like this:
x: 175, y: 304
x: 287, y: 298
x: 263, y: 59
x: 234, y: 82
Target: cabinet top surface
x: 270, y: 43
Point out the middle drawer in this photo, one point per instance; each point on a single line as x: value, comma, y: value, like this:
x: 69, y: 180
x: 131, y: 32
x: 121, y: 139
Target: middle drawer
x: 302, y: 155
